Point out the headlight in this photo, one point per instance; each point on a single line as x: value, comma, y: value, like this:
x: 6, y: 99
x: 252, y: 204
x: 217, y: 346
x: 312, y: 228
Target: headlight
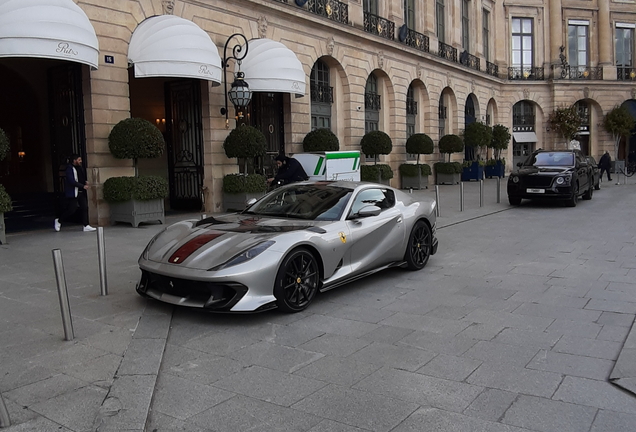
x: 244, y: 256
x: 563, y: 180
x: 514, y: 179
x: 560, y: 180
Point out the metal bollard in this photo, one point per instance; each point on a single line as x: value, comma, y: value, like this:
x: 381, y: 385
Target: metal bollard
x: 498, y: 189
x: 410, y: 190
x: 101, y: 258
x: 437, y: 210
x: 62, y: 292
x: 481, y: 193
x: 5, y: 421
x: 461, y: 196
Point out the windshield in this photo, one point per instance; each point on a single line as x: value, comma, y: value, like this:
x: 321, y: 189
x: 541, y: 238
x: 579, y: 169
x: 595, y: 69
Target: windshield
x: 303, y: 201
x: 550, y: 159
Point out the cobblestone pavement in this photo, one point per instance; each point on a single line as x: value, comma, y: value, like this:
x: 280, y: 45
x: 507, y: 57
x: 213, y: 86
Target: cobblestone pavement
x: 515, y: 325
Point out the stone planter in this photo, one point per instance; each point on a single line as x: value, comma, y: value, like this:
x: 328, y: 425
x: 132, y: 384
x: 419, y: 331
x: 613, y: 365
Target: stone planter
x: 238, y: 202
x: 449, y: 179
x: 414, y: 183
x: 497, y: 170
x: 473, y: 172
x: 134, y: 211
x: 3, y: 236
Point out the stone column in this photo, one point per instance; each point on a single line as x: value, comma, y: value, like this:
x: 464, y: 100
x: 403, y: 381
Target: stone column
x: 604, y: 33
x: 556, y: 31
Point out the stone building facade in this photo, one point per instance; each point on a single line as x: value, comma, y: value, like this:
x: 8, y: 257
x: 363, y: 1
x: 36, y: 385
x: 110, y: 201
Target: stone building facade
x: 400, y: 66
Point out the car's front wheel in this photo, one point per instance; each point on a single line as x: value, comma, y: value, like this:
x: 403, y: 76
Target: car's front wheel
x: 515, y: 201
x: 571, y: 202
x: 418, y: 249
x: 297, y: 281
x: 588, y: 195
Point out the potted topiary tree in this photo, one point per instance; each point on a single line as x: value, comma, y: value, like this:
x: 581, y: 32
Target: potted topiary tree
x: 566, y: 122
x: 449, y: 172
x: 496, y: 167
x: 5, y: 199
x: 320, y: 140
x: 245, y: 142
x: 477, y: 136
x: 416, y: 176
x: 375, y: 143
x: 139, y: 198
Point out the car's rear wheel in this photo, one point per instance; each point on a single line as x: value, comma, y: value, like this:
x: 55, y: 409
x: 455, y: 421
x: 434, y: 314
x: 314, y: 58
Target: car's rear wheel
x: 418, y: 249
x: 571, y: 202
x: 597, y: 186
x: 514, y: 200
x: 588, y: 195
x: 297, y: 281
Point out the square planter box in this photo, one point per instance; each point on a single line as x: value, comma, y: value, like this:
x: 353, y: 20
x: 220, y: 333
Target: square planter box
x: 497, y: 170
x: 413, y: 183
x: 3, y: 236
x: 238, y: 202
x: 474, y: 172
x: 449, y: 179
x: 134, y: 212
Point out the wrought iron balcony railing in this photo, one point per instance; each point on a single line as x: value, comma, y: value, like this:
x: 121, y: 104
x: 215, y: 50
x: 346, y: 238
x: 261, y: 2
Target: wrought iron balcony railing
x: 625, y: 73
x: 523, y: 120
x: 417, y: 40
x: 492, y: 69
x: 372, y: 101
x: 578, y: 72
x: 470, y: 60
x: 447, y: 52
x: 527, y: 73
x: 411, y: 107
x: 321, y: 93
x: 379, y: 26
x: 333, y: 9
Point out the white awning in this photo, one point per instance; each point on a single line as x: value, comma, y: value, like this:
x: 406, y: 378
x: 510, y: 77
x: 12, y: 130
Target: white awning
x: 270, y: 66
x: 523, y: 137
x: 53, y: 29
x: 171, y: 46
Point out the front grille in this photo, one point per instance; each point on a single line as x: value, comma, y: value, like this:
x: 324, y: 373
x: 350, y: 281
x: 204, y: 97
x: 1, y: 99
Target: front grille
x: 206, y: 295
x: 536, y: 181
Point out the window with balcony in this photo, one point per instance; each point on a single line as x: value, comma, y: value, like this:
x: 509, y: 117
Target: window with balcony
x: 321, y: 96
x: 370, y: 6
x: 465, y: 25
x: 409, y: 14
x: 439, y: 20
x: 522, y: 48
x: 485, y: 33
x: 624, y: 42
x: 578, y: 44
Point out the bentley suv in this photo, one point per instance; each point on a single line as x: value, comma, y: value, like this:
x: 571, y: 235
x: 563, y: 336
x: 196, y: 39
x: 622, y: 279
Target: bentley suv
x: 552, y: 174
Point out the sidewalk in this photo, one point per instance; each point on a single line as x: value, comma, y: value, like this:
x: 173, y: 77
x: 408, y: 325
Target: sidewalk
x: 104, y: 379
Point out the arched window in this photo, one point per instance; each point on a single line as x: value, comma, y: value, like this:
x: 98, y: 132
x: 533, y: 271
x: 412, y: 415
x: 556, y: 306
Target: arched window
x: 321, y: 96
x: 442, y: 115
x: 372, y: 105
x: 411, y: 112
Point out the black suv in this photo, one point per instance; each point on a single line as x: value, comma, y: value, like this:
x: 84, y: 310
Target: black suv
x: 555, y: 174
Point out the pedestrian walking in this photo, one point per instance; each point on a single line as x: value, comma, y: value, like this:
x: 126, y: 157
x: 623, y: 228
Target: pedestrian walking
x: 289, y: 171
x: 75, y: 193
x: 604, y: 164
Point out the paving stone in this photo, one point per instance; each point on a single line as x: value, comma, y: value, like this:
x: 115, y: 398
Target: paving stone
x: 153, y: 326
x: 450, y: 312
x: 450, y: 367
x: 428, y: 419
x: 270, y: 385
x: 588, y: 347
x: 345, y: 372
x: 204, y: 369
x: 99, y: 371
x: 606, y: 294
x: 38, y: 424
x: 75, y: 410
x: 575, y: 365
x: 290, y: 335
x: 127, y: 404
x: 548, y: 298
x: 597, y: 394
x: 421, y: 389
x: 575, y: 328
x: 438, y: 343
x: 241, y: 413
x: 613, y: 333
x: 482, y: 331
x: 548, y: 415
x: 269, y: 355
x: 336, y: 345
x: 424, y: 323
x: 356, y: 408
x: 387, y: 334
x: 494, y: 352
x: 612, y: 306
x: 332, y: 426
x: 616, y: 319
x: 339, y: 326
x: 490, y: 405
x: 560, y: 312
x: 607, y: 420
x: 143, y: 357
x: 368, y: 315
x: 505, y: 319
x: 48, y: 388
x: 400, y: 357
x: 515, y: 379
x: 219, y: 343
x: 534, y: 338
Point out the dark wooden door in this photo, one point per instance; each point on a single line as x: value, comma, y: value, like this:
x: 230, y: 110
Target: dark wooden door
x: 184, y: 140
x: 267, y: 115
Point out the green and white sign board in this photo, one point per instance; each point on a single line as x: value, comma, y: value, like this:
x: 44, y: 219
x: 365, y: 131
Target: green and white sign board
x: 338, y: 165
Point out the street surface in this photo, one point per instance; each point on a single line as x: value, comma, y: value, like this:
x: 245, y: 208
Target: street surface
x: 515, y: 325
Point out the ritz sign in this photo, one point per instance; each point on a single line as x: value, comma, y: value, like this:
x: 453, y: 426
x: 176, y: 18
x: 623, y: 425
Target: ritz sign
x: 65, y: 48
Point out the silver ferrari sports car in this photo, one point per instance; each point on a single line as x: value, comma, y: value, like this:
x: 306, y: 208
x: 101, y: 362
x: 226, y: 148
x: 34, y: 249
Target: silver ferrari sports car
x: 295, y: 241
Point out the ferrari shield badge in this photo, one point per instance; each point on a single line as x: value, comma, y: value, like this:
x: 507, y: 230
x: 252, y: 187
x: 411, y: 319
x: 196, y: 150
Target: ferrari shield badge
x: 343, y: 237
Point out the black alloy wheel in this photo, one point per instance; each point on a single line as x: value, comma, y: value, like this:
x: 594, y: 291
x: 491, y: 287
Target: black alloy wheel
x: 597, y: 186
x: 571, y: 202
x: 515, y: 201
x: 297, y: 281
x: 588, y: 195
x: 419, y: 247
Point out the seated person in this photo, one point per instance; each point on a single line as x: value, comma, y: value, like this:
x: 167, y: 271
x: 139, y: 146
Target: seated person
x: 289, y: 171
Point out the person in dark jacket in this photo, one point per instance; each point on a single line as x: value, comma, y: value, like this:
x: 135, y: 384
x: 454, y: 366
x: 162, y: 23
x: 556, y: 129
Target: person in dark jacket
x: 604, y: 164
x: 75, y: 193
x: 289, y: 171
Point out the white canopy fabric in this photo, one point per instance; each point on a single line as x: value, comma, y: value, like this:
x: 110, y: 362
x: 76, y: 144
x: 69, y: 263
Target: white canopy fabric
x: 171, y: 46
x: 53, y: 29
x: 270, y: 66
x: 523, y: 137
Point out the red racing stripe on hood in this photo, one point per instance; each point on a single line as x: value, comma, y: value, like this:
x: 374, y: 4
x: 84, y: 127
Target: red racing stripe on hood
x: 191, y: 246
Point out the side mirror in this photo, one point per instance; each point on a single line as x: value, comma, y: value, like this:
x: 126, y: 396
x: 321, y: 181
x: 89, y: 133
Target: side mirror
x: 250, y: 202
x: 369, y: 210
